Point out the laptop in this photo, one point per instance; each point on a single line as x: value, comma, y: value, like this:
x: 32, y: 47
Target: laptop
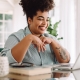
x: 67, y: 66
x: 76, y: 74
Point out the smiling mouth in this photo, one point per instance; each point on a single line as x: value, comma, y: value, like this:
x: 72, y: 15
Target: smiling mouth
x: 42, y: 28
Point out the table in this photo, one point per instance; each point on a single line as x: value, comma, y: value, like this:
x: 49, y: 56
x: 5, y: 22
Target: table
x: 59, y: 75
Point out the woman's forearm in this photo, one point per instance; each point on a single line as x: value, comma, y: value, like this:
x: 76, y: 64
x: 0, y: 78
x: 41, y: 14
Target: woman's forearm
x: 21, y: 48
x: 61, y: 54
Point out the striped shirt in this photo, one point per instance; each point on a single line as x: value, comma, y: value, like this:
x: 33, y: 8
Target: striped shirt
x: 32, y: 55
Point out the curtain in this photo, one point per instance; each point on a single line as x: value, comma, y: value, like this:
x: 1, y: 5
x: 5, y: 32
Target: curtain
x: 77, y: 3
x: 65, y: 11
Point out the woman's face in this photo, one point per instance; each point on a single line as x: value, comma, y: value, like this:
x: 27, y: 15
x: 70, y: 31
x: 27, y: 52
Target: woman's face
x: 39, y: 24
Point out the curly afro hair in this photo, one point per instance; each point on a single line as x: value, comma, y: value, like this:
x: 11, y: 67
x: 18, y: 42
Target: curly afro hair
x: 30, y: 7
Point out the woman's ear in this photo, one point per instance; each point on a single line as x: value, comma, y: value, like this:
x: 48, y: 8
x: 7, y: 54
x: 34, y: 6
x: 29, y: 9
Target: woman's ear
x: 29, y: 20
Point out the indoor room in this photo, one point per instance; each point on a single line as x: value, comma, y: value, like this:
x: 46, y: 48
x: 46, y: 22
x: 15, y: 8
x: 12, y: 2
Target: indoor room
x: 65, y: 16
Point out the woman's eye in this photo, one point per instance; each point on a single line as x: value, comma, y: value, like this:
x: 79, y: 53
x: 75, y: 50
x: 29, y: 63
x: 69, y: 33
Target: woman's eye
x: 43, y: 19
x: 47, y: 20
x: 40, y: 19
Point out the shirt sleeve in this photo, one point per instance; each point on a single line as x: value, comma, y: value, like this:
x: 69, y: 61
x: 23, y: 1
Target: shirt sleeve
x: 53, y: 37
x: 10, y: 43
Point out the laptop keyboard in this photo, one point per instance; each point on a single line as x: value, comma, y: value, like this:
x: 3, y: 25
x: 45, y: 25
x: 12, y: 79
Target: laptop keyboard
x: 66, y: 65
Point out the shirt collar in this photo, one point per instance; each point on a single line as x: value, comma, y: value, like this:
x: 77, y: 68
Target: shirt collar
x: 27, y: 30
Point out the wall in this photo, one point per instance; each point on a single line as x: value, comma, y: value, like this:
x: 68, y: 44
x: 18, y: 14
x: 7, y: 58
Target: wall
x: 19, y: 20
x: 5, y: 6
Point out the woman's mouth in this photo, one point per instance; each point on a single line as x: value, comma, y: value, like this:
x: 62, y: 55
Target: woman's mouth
x: 42, y: 28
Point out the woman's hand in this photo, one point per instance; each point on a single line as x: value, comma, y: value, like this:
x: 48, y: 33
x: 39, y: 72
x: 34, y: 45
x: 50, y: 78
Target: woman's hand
x: 38, y: 43
x: 46, y: 40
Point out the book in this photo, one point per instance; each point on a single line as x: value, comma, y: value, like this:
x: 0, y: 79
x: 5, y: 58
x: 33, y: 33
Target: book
x: 25, y: 77
x: 31, y: 71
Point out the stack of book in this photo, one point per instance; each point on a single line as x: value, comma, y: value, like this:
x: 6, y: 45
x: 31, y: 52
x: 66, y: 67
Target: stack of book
x: 31, y: 71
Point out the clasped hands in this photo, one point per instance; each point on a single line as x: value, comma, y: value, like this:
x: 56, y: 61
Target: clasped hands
x: 40, y: 42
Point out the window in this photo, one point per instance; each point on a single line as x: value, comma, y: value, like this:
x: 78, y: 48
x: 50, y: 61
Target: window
x: 6, y: 26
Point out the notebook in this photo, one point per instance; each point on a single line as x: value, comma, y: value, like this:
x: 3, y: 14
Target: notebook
x: 68, y: 66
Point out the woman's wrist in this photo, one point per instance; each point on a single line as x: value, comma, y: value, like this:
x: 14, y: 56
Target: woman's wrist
x: 29, y: 37
x: 52, y: 41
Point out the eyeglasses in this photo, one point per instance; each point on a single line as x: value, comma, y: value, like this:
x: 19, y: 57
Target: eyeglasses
x: 23, y: 64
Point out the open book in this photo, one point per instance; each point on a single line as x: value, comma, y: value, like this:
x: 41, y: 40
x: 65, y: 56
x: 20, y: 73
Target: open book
x: 30, y: 71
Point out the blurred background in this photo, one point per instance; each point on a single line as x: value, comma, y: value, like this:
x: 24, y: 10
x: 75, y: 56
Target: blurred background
x: 12, y: 19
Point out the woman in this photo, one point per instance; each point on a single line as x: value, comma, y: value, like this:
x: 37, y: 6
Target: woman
x: 32, y: 44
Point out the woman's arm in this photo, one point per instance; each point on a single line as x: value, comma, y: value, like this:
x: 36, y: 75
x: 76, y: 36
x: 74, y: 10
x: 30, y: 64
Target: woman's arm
x: 62, y: 55
x: 19, y: 50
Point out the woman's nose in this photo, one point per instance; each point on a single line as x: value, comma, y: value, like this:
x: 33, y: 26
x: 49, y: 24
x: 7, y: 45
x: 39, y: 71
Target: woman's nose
x: 45, y: 22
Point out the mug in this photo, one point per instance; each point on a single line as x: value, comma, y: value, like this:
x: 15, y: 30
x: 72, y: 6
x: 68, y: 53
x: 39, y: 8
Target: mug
x: 4, y: 66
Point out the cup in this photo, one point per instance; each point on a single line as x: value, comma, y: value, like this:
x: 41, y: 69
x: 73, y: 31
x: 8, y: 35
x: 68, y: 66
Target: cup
x: 4, y: 66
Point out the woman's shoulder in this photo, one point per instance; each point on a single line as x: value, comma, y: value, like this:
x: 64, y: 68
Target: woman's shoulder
x: 20, y: 34
x: 51, y: 36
